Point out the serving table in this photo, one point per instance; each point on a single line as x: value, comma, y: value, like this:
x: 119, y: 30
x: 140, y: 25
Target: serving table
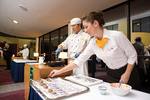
x: 17, y: 69
x: 36, y: 71
x: 94, y: 94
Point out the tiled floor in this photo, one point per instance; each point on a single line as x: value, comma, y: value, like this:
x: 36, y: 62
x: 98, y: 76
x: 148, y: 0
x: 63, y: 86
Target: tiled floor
x: 8, y: 89
x: 6, y: 82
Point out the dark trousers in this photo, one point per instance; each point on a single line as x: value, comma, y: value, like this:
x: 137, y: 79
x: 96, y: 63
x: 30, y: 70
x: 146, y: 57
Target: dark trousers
x: 115, y: 75
x: 8, y: 61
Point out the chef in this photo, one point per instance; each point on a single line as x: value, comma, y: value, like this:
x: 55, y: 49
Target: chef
x: 75, y: 43
x: 25, y: 51
x: 112, y: 47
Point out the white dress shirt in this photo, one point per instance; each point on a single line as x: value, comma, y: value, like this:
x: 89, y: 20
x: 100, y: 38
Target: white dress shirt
x: 75, y: 43
x: 25, y: 53
x: 117, y: 52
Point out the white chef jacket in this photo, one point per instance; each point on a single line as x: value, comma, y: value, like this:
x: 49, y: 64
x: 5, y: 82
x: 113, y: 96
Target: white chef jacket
x: 25, y: 53
x: 116, y: 53
x: 75, y: 43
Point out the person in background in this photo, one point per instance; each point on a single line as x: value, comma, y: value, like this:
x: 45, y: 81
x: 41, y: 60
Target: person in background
x: 7, y: 54
x: 25, y: 51
x: 147, y: 51
x: 139, y: 46
x: 75, y: 43
x: 112, y: 47
x: 148, y: 48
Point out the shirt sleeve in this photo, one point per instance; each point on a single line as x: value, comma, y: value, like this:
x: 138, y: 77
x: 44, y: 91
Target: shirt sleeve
x: 21, y: 51
x: 85, y: 55
x: 127, y: 47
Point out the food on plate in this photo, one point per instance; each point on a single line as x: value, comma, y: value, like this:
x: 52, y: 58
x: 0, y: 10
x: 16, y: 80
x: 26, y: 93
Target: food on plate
x: 45, y: 86
x: 41, y: 83
x: 50, y: 90
x: 120, y: 85
x: 49, y: 80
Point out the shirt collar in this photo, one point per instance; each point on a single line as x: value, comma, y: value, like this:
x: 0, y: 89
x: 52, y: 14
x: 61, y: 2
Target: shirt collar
x: 105, y: 33
x: 78, y: 32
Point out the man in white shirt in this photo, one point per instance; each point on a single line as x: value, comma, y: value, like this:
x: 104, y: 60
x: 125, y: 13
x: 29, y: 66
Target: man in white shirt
x: 76, y: 43
x: 25, y: 51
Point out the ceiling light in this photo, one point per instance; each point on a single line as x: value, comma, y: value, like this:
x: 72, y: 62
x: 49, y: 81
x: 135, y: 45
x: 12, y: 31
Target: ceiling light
x: 22, y: 7
x: 14, y: 21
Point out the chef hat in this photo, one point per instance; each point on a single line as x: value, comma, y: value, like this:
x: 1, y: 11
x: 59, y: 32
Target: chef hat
x: 75, y: 21
x: 25, y: 45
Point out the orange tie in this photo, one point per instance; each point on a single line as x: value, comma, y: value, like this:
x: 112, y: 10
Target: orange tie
x: 101, y: 43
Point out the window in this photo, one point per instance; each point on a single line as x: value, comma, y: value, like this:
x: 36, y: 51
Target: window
x: 54, y: 40
x: 141, y: 25
x: 63, y: 33
x: 48, y: 42
x: 40, y: 44
x: 112, y: 27
x: 136, y: 26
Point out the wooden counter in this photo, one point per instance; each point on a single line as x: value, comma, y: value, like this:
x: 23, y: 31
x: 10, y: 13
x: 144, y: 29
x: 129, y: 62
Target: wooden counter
x: 36, y: 71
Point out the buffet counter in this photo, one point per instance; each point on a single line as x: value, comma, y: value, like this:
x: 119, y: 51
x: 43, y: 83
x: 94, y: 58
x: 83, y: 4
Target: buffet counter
x: 17, y: 69
x: 36, y: 71
x: 93, y: 94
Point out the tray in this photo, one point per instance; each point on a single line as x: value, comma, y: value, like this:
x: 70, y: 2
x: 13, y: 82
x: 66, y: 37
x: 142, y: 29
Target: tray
x: 84, y: 80
x: 57, y: 88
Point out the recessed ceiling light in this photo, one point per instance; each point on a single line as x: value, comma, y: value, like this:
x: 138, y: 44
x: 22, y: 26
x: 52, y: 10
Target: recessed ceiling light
x: 22, y: 7
x: 14, y: 21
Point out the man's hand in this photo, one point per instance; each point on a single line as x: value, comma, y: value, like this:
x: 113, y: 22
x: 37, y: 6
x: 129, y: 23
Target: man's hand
x: 54, y: 73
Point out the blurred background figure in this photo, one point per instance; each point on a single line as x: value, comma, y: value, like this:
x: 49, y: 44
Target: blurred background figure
x: 25, y: 51
x: 139, y: 46
x: 147, y: 50
x: 7, y: 54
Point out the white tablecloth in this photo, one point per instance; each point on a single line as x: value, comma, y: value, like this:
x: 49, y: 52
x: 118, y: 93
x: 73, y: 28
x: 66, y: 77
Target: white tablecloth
x: 94, y: 94
x: 23, y: 60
